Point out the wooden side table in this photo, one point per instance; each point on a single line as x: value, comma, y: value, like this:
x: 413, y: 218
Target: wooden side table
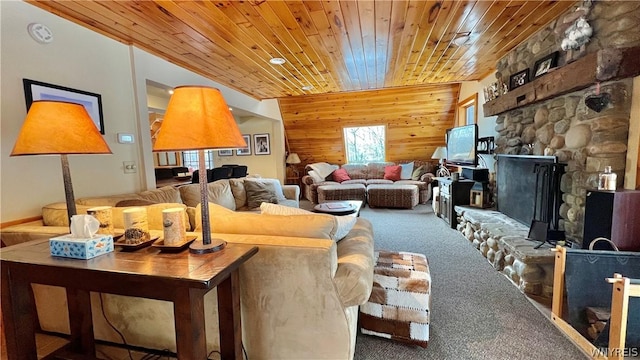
x: 181, y: 278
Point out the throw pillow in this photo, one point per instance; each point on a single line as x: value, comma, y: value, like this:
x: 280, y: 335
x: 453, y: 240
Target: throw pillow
x: 417, y: 173
x: 341, y: 175
x: 271, y: 184
x: 392, y: 172
x: 257, y: 193
x: 407, y: 170
x: 134, y: 202
x: 316, y: 178
x: 344, y: 224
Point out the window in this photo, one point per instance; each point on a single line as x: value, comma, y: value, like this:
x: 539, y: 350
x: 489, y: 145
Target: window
x: 468, y: 110
x: 190, y: 159
x: 364, y: 144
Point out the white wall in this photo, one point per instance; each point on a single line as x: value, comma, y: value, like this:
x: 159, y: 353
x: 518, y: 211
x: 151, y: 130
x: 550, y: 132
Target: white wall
x: 78, y: 58
x: 267, y: 166
x: 486, y: 125
x: 82, y: 59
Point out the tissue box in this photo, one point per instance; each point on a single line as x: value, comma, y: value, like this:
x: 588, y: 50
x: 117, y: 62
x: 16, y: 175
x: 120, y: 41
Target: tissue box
x: 81, y: 248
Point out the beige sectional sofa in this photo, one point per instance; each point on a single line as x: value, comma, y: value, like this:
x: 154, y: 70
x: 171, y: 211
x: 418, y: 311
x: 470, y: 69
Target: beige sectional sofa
x: 299, y: 294
x: 229, y: 193
x: 372, y: 173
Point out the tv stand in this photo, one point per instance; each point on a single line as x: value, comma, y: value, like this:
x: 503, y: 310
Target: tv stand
x: 453, y: 193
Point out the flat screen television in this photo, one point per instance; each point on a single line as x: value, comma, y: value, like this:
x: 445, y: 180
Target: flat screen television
x: 461, y: 145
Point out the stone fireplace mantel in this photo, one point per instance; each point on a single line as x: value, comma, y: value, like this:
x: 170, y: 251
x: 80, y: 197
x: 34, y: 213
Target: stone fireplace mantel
x: 603, y: 65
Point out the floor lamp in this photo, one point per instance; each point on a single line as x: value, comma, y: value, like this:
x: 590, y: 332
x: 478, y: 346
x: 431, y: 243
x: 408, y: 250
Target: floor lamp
x: 293, y: 159
x: 56, y: 127
x: 198, y: 118
x: 441, y: 154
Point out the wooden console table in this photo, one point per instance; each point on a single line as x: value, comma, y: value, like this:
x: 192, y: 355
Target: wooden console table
x: 181, y: 278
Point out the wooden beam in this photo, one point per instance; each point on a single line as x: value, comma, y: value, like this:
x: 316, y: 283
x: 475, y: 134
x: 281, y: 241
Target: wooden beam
x: 603, y: 65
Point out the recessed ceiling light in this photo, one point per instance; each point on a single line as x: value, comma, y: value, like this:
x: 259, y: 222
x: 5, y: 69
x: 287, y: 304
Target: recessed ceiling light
x: 170, y: 91
x: 307, y: 87
x: 277, y: 61
x: 230, y: 108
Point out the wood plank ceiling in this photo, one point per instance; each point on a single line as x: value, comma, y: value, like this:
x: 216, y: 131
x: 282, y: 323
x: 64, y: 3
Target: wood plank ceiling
x: 333, y: 46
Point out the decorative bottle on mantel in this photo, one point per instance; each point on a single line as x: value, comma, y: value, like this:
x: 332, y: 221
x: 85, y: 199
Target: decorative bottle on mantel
x: 607, y: 179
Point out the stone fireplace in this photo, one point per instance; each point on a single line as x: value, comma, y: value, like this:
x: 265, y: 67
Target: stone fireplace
x: 549, y: 117
x: 563, y: 125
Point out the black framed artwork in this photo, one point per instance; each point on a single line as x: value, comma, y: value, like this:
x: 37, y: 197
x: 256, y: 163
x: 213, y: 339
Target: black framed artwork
x: 261, y: 144
x: 247, y: 150
x: 544, y: 64
x: 518, y: 79
x: 92, y: 102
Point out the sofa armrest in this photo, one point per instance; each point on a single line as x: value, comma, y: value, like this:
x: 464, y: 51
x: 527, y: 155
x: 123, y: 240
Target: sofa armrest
x: 33, y: 230
x: 291, y: 192
x: 427, y: 177
x: 285, y: 287
x: 354, y: 277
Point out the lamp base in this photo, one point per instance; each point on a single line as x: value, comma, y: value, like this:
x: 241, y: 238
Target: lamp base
x: 198, y: 247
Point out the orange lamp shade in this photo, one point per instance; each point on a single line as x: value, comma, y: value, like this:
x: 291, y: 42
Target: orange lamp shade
x: 198, y: 118
x: 56, y: 127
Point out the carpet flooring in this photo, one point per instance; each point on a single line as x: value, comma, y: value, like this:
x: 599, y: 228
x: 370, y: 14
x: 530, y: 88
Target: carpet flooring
x: 477, y: 313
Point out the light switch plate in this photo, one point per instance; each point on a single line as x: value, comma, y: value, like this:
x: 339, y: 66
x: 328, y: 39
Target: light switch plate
x: 130, y: 167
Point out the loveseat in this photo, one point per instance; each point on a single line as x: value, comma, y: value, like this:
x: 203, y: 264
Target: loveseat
x: 372, y: 173
x: 299, y: 294
x: 229, y: 193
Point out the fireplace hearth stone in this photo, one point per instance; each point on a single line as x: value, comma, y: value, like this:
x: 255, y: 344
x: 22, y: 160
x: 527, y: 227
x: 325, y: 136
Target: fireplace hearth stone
x: 503, y: 242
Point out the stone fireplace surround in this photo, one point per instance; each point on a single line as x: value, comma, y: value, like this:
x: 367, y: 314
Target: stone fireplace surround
x: 562, y: 126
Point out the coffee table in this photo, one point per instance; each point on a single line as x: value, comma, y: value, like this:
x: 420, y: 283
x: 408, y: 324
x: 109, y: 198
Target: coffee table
x: 349, y: 208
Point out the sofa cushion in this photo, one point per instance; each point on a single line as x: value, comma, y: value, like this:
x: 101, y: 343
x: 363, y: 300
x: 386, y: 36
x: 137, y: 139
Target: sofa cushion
x: 56, y: 214
x: 218, y: 192
x: 407, y: 170
x: 239, y: 193
x: 166, y: 194
x: 225, y: 221
x: 272, y: 184
x: 376, y: 169
x: 340, y: 175
x: 154, y: 215
x: 257, y: 193
x: 417, y: 173
x: 105, y: 200
x: 344, y: 223
x: 357, y: 171
x: 392, y: 172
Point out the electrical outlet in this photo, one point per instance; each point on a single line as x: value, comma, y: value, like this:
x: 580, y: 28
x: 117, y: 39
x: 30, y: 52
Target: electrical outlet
x: 130, y: 167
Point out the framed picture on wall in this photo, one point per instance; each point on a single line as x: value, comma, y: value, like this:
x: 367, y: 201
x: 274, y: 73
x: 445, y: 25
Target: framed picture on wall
x: 36, y: 90
x: 261, y: 144
x: 226, y: 152
x: 545, y: 64
x: 247, y: 150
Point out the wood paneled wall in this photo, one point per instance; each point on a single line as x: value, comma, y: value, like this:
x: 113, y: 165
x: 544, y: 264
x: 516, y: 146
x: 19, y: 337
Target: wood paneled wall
x: 416, y: 119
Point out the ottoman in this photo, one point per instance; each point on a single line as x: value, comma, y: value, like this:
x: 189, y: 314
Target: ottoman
x: 394, y: 196
x: 342, y: 192
x: 399, y: 305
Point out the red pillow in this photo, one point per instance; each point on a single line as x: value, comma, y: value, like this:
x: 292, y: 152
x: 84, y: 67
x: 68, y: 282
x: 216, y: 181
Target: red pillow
x: 341, y: 175
x: 392, y: 172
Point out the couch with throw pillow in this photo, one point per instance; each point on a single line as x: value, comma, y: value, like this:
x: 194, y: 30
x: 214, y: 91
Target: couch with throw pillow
x: 299, y: 294
x: 244, y: 194
x: 417, y: 172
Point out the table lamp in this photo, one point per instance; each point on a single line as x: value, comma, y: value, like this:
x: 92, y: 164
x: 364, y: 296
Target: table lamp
x: 293, y: 159
x: 198, y: 118
x: 56, y: 127
x: 441, y: 154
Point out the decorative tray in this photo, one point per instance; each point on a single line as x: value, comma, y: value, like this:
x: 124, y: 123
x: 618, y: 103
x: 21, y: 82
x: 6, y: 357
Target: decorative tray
x: 174, y: 248
x: 134, y: 247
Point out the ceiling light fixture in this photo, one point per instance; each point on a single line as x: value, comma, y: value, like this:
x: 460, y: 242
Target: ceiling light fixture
x: 277, y: 61
x: 461, y: 39
x: 170, y: 91
x: 307, y: 87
